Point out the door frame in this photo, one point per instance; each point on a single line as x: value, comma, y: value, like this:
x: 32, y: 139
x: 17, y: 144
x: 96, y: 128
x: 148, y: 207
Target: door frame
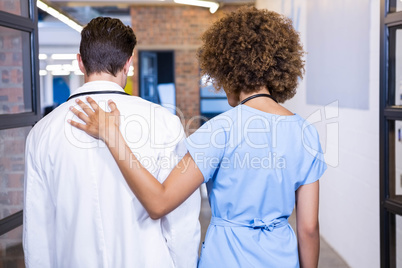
x: 389, y: 113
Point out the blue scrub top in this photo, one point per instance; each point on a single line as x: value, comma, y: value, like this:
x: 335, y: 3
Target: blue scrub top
x: 253, y: 162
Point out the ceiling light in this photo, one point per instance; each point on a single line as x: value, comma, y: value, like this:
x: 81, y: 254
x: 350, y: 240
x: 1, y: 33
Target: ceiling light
x: 60, y: 73
x: 60, y: 16
x: 54, y: 67
x: 42, y: 56
x: 213, y: 6
x: 75, y: 64
x: 68, y: 67
x: 64, y: 56
x: 131, y: 71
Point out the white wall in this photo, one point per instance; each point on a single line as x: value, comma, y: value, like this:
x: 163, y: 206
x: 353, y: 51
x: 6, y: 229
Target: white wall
x: 349, y: 197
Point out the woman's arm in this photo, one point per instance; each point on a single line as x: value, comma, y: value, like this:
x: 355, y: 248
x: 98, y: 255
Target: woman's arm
x: 158, y: 199
x: 308, y: 234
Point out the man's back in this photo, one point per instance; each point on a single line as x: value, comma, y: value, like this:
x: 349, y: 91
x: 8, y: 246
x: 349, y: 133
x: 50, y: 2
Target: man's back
x: 75, y: 189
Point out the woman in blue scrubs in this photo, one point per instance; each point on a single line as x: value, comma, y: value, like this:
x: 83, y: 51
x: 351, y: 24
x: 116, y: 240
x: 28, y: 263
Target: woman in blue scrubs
x: 257, y: 159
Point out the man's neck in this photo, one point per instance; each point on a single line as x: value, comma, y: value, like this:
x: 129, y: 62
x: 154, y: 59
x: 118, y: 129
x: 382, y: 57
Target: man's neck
x: 118, y: 79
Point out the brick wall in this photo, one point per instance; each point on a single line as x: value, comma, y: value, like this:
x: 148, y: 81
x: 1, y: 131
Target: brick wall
x: 178, y: 29
x: 12, y: 148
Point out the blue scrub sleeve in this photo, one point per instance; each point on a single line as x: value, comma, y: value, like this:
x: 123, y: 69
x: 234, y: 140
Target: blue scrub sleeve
x: 207, y: 146
x: 317, y: 169
x: 314, y: 161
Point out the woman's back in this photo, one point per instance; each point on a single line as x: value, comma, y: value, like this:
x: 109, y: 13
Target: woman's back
x: 253, y: 162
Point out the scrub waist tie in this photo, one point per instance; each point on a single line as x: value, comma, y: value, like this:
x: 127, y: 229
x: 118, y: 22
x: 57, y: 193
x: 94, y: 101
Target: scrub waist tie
x: 256, y: 223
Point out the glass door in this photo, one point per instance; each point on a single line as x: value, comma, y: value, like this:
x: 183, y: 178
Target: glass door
x: 391, y: 134
x: 149, y: 76
x: 157, y: 78
x: 19, y: 111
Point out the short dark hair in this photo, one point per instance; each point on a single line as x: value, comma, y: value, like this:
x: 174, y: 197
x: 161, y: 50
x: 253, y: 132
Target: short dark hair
x: 106, y: 45
x: 249, y: 49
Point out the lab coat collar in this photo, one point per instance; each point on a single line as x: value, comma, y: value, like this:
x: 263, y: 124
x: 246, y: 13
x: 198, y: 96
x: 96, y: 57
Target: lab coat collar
x: 97, y: 86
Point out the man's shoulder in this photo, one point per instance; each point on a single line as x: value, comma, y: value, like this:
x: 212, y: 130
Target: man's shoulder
x: 153, y: 121
x: 52, y: 118
x: 136, y: 105
x: 42, y: 133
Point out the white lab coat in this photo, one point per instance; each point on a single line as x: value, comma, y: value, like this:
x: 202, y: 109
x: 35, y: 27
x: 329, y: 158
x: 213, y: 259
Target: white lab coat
x: 78, y: 209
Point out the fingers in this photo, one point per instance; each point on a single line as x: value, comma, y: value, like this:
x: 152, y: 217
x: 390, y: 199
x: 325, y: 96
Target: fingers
x: 113, y: 107
x: 76, y: 124
x: 80, y: 115
x: 93, y: 103
x: 85, y: 107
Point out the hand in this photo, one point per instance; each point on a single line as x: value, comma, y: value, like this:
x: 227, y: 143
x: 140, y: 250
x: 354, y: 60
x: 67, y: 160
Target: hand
x: 98, y: 123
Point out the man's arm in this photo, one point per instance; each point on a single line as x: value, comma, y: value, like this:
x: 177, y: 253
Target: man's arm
x: 39, y: 213
x: 308, y: 234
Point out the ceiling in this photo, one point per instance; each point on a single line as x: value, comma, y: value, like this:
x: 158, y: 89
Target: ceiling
x: 131, y: 2
x: 84, y: 11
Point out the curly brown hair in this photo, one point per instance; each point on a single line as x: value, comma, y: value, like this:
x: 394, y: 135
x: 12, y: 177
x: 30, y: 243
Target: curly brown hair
x: 249, y: 49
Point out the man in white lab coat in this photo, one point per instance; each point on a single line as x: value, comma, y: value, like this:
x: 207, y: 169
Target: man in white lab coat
x: 78, y: 209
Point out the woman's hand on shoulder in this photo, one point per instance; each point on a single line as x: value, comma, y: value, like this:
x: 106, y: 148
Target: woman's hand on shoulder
x: 98, y: 123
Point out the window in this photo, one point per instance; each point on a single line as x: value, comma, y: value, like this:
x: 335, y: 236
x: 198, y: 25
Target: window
x: 19, y: 111
x: 15, y: 83
x: 212, y: 102
x: 394, y: 5
x: 390, y: 133
x: 16, y: 7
